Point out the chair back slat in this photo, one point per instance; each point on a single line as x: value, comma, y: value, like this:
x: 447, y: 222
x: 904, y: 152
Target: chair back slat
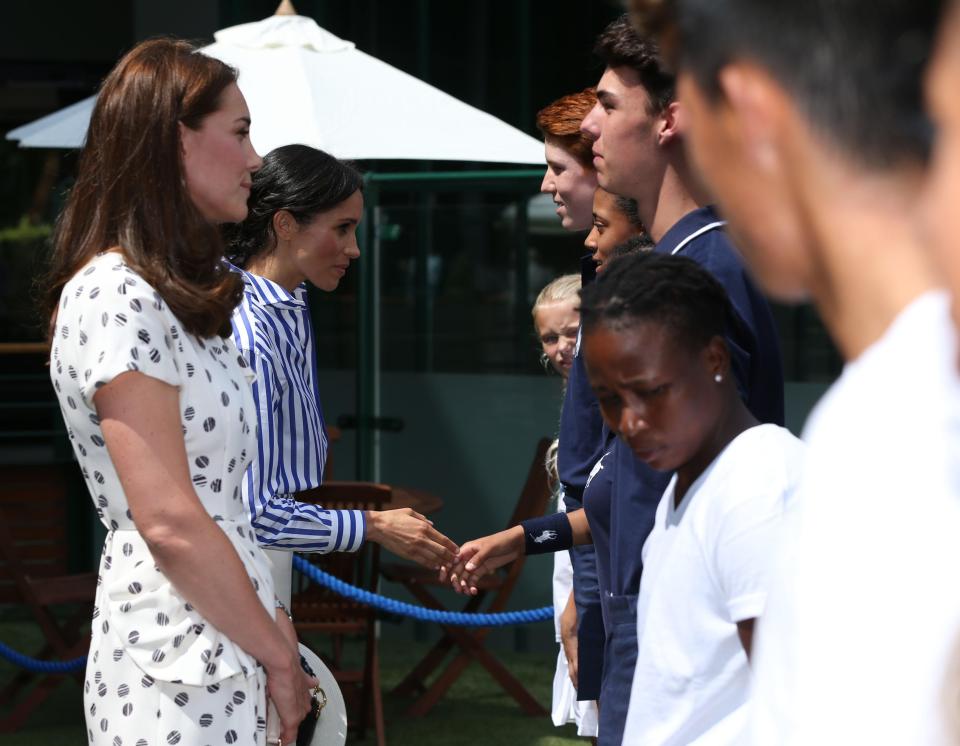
x: 535, y: 495
x: 532, y: 503
x: 316, y: 607
x: 347, y: 495
x: 33, y: 534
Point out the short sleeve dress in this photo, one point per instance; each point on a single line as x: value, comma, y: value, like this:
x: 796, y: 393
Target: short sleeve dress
x: 158, y: 673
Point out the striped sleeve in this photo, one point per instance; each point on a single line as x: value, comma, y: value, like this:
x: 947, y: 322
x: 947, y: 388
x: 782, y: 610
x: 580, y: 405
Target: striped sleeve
x: 279, y: 520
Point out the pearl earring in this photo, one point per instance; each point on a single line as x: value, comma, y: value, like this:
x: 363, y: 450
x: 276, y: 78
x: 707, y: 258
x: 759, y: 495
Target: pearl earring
x: 718, y: 378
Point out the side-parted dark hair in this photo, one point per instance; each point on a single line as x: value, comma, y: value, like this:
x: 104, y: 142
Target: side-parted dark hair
x: 853, y: 67
x: 303, y: 181
x: 619, y: 45
x: 131, y: 192
x: 670, y: 290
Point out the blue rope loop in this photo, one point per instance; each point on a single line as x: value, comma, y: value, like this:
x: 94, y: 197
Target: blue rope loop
x: 451, y: 618
x: 40, y: 666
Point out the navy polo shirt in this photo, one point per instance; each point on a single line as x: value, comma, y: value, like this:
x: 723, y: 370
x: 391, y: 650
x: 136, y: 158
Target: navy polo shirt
x: 752, y: 336
x: 580, y: 443
x: 596, y: 502
x: 581, y: 426
x: 592, y: 632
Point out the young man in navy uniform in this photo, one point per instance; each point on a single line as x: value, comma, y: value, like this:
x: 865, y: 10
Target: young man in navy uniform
x: 638, y: 149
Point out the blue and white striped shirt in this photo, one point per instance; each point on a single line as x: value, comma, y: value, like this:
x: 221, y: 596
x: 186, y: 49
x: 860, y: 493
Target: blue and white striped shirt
x: 272, y: 329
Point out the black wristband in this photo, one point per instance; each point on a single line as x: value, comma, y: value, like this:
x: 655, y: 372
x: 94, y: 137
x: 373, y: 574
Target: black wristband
x: 548, y: 534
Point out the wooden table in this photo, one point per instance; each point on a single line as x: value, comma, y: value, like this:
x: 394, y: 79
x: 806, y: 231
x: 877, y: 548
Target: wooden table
x: 400, y: 497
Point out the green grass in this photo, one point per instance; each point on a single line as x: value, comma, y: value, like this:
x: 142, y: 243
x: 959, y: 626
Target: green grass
x: 475, y: 711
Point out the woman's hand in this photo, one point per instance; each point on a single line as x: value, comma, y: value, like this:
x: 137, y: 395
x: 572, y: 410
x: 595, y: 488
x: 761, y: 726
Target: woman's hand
x: 289, y: 633
x: 288, y: 687
x: 410, y: 535
x: 482, y: 556
x: 568, y: 638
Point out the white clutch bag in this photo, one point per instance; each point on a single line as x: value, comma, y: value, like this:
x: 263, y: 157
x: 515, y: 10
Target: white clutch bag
x: 331, y: 728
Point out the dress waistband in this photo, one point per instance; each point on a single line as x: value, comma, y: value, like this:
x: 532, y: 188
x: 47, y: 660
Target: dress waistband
x: 163, y: 634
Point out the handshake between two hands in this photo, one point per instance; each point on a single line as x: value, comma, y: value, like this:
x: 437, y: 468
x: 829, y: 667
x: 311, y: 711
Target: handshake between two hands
x: 411, y: 535
x: 481, y: 557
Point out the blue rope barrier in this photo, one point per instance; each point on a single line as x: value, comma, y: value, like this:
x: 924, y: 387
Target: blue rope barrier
x: 452, y: 618
x: 39, y: 666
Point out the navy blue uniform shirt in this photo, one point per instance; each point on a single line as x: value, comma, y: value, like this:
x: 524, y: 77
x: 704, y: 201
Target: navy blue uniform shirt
x: 596, y: 502
x: 592, y: 633
x: 580, y: 446
x: 752, y: 338
x: 581, y: 426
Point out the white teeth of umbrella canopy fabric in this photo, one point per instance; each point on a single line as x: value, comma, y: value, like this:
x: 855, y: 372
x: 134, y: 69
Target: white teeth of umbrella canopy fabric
x: 305, y: 85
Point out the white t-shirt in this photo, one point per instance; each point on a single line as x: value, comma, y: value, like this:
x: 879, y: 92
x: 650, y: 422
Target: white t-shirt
x: 706, y: 566
x: 857, y: 638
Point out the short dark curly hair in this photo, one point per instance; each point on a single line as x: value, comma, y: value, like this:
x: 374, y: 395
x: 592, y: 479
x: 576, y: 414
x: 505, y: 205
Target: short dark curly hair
x: 670, y: 290
x: 619, y: 45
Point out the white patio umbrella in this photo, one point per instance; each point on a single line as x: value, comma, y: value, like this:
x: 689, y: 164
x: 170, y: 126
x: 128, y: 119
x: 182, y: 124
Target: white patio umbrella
x: 305, y: 85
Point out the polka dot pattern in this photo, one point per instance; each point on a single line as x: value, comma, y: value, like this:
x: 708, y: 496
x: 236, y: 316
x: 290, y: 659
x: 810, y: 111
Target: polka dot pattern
x: 157, y: 672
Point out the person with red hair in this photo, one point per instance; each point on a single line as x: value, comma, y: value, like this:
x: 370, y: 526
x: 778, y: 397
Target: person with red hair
x: 572, y: 181
x: 570, y: 178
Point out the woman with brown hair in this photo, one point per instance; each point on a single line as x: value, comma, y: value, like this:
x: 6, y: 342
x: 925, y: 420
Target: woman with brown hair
x: 187, y: 639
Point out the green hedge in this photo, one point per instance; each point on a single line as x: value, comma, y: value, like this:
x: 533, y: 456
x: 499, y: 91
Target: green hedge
x: 23, y: 255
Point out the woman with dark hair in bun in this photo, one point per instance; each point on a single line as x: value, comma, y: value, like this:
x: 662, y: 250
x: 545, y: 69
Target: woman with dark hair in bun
x: 303, y: 213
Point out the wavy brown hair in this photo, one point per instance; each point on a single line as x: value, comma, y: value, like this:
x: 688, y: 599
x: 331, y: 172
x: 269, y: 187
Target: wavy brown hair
x: 131, y: 192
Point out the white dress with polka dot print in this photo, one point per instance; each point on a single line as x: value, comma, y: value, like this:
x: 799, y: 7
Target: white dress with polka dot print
x: 158, y: 673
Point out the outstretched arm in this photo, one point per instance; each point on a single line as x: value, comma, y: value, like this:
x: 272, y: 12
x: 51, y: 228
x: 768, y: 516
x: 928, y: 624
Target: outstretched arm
x: 410, y: 535
x: 482, y: 556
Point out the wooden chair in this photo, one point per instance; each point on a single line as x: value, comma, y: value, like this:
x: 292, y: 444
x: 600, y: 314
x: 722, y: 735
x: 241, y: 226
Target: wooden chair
x: 532, y: 502
x: 33, y: 572
x: 318, y: 610
x: 333, y: 436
